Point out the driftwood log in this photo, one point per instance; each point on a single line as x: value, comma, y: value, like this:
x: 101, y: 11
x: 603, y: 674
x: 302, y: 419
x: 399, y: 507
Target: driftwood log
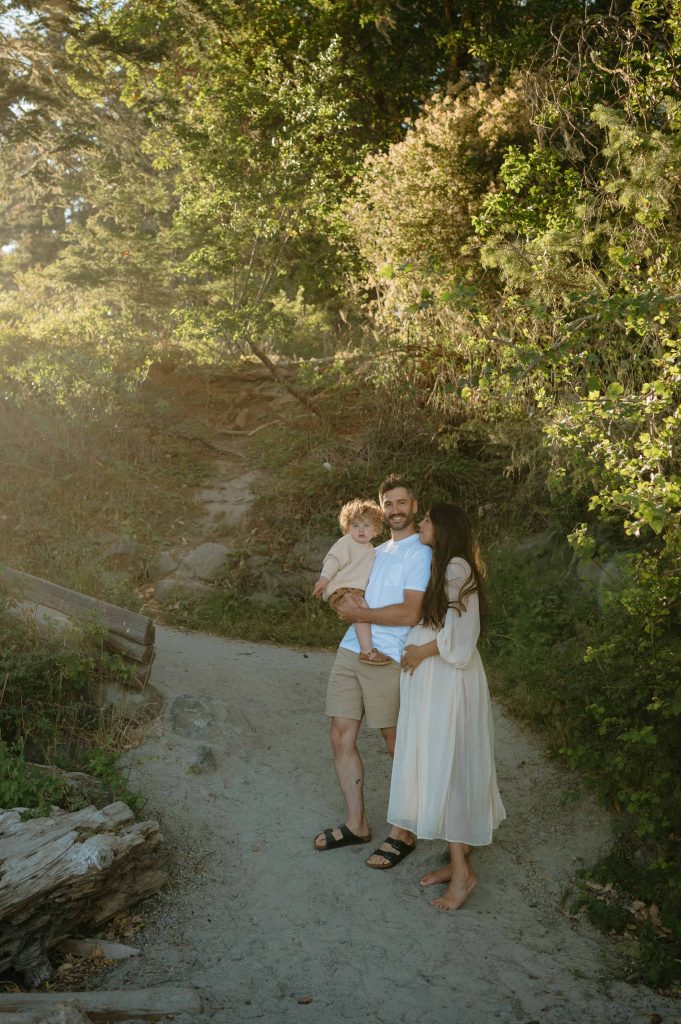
x: 66, y: 1011
x: 52, y: 606
x: 144, y: 1004
x: 68, y: 872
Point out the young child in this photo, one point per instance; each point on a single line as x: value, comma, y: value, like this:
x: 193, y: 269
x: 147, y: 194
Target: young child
x: 348, y: 563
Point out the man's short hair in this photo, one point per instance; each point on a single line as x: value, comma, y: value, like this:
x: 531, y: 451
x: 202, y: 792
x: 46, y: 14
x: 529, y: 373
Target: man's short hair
x: 393, y: 481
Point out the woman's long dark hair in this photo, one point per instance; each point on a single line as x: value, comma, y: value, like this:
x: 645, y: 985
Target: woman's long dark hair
x: 452, y: 538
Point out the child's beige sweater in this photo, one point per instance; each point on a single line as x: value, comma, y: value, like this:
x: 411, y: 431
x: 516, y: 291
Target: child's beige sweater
x: 347, y: 564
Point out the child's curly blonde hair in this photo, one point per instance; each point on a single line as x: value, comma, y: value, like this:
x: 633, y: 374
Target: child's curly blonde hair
x: 360, y: 508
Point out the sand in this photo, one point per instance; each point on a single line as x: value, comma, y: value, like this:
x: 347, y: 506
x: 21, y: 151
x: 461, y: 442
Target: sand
x: 238, y: 771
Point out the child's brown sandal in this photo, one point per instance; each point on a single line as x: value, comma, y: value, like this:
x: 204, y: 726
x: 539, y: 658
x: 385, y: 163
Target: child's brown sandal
x: 374, y: 657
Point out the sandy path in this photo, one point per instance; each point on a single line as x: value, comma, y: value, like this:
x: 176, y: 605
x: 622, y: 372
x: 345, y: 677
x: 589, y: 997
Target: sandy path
x: 257, y: 919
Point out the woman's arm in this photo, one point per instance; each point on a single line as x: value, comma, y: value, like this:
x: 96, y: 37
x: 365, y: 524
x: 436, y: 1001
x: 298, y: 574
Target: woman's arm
x: 414, y: 654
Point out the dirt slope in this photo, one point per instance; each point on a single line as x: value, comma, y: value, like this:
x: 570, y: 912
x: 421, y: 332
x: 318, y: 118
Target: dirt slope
x: 258, y: 920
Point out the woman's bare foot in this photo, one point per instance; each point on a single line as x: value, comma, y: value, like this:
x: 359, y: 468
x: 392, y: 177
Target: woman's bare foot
x: 437, y: 877
x: 458, y: 891
x: 444, y: 874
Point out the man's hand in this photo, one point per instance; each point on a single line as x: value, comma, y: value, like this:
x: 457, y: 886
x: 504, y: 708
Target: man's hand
x: 350, y: 607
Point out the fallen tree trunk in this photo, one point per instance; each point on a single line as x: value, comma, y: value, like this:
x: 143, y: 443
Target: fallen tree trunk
x: 66, y: 1011
x: 54, y: 607
x: 121, y: 621
x: 144, y: 1004
x: 68, y: 872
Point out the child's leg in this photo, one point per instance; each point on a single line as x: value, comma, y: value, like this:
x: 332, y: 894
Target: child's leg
x: 367, y: 651
x: 363, y: 631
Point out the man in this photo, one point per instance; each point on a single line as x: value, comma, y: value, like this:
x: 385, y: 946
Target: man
x: 394, y: 594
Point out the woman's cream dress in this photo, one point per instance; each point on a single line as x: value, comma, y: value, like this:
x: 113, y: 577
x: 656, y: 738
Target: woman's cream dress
x: 444, y: 783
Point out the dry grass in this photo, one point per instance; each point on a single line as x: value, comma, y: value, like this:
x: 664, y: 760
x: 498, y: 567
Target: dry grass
x: 71, y: 484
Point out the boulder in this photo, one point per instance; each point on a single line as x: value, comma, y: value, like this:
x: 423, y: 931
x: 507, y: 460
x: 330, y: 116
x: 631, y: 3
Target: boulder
x: 161, y: 565
x: 606, y: 576
x: 205, y: 562
x: 125, y: 553
x: 295, y: 586
x: 536, y: 543
x: 266, y: 600
x: 173, y: 587
x: 311, y: 550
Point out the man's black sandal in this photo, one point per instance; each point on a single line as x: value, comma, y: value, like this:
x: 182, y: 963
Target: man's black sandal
x: 348, y: 839
x: 402, y: 850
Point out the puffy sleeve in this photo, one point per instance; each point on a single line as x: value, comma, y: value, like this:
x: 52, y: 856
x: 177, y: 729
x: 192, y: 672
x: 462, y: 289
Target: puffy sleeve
x: 457, y: 639
x: 337, y: 558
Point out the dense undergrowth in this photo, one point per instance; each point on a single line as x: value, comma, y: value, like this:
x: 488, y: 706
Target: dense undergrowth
x: 54, y: 718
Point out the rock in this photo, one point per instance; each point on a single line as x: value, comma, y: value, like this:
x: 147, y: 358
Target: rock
x: 205, y: 562
x: 310, y: 551
x: 607, y: 575
x: 259, y: 562
x: 172, y: 587
x: 589, y: 571
x: 295, y: 586
x: 228, y: 501
x: 268, y: 601
x: 116, y: 583
x: 125, y: 553
x: 161, y: 565
x: 535, y: 543
x: 137, y: 705
x: 198, y: 718
x: 202, y: 760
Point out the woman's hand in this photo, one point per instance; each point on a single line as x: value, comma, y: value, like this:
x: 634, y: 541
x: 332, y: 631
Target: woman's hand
x: 412, y: 657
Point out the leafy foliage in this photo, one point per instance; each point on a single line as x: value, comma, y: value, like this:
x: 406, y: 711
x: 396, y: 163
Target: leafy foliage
x: 51, y: 712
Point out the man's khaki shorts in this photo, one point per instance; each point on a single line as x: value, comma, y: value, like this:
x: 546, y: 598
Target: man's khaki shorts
x: 357, y: 688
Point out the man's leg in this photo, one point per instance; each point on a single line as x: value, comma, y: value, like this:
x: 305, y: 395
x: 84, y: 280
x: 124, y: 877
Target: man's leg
x: 350, y: 774
x: 409, y: 838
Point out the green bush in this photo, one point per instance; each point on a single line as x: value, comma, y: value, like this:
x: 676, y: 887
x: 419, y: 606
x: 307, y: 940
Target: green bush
x: 51, y: 713
x: 595, y: 669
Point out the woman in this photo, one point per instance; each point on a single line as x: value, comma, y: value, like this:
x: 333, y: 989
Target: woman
x: 444, y: 781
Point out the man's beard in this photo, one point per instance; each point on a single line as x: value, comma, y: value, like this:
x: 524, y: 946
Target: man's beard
x: 401, y: 522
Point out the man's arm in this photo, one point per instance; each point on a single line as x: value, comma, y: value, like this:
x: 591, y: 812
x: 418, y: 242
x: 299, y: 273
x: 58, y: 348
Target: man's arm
x: 407, y: 613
